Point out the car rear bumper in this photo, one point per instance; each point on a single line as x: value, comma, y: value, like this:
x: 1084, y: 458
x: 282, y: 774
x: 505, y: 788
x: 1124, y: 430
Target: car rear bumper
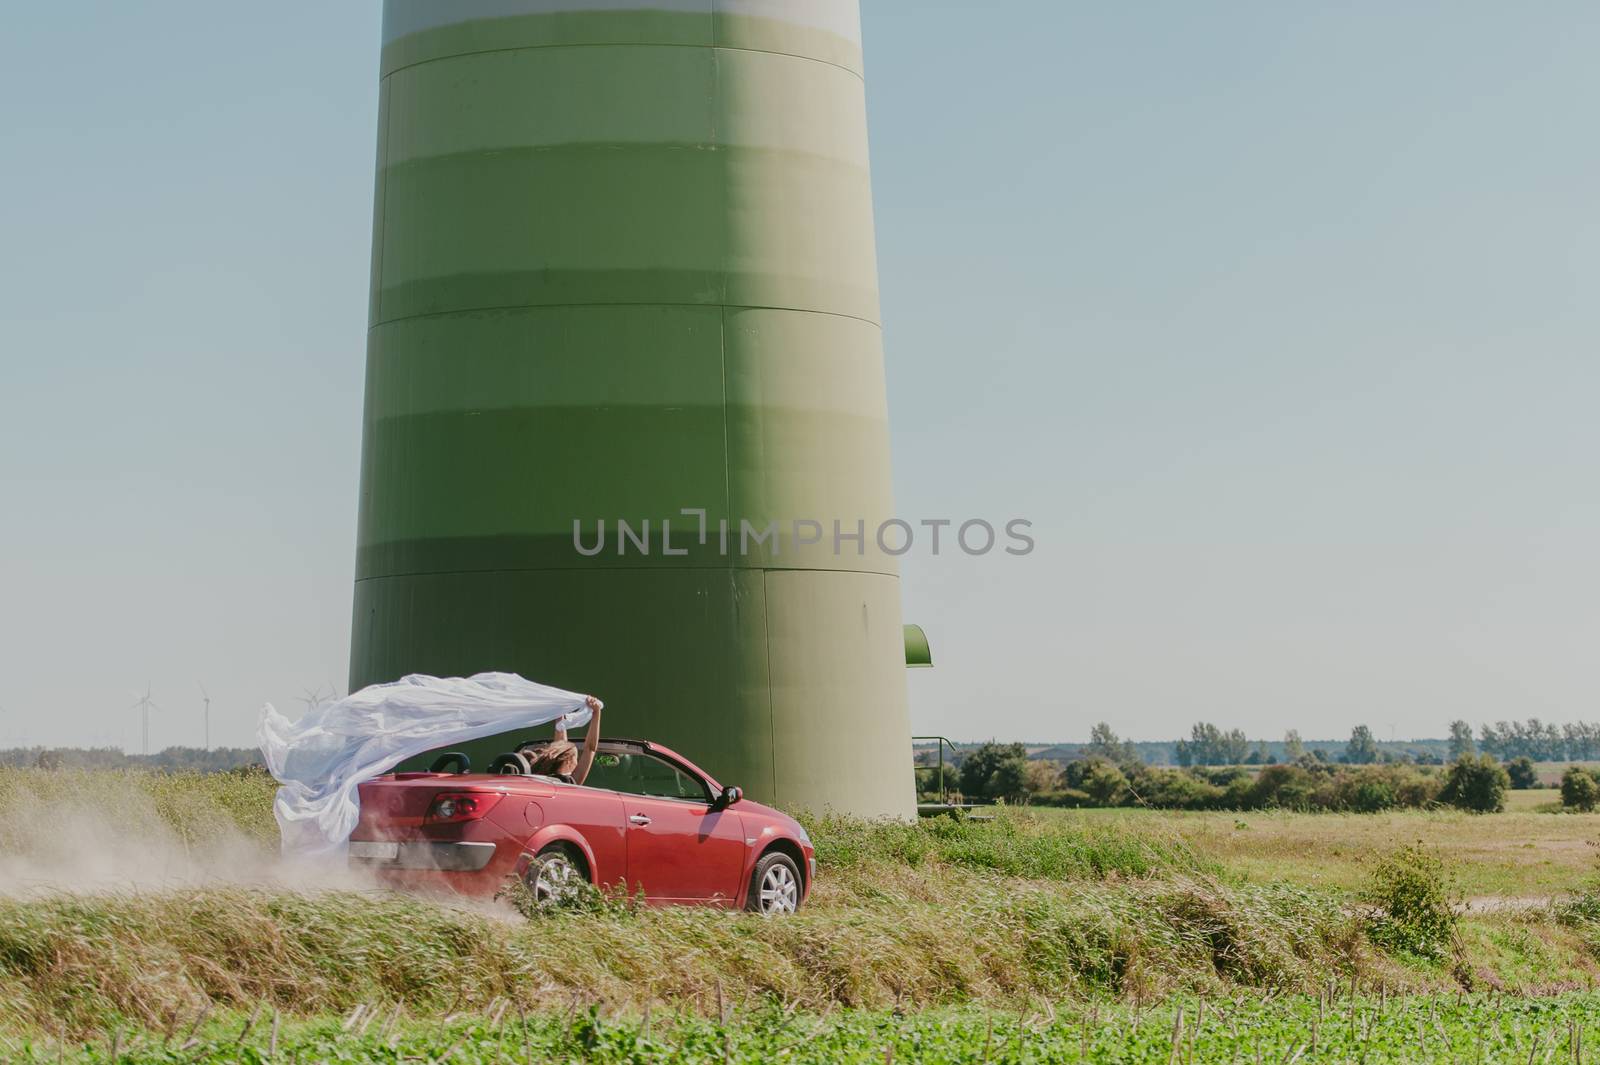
x: 449, y: 857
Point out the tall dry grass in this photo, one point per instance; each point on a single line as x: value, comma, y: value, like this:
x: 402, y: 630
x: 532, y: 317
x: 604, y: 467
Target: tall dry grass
x: 1001, y: 913
x: 904, y: 915
x: 881, y: 936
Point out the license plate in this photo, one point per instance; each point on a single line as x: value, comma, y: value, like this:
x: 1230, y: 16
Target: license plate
x: 374, y: 852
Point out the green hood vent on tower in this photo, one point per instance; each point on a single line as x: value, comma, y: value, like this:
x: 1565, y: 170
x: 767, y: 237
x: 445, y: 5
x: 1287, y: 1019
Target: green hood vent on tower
x: 918, y: 653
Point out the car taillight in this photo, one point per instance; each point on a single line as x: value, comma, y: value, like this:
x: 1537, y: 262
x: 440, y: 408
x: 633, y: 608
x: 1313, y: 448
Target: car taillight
x: 459, y: 806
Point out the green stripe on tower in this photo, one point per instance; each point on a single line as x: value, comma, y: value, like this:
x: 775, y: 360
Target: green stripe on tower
x: 623, y: 265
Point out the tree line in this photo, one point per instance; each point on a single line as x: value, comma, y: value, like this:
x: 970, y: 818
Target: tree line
x: 1540, y: 741
x: 1003, y: 772
x: 172, y: 760
x: 1224, y: 770
x: 1209, y: 745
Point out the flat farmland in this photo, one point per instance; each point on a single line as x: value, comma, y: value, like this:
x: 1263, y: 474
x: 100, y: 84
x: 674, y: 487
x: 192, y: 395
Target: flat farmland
x: 1532, y: 850
x: 148, y: 920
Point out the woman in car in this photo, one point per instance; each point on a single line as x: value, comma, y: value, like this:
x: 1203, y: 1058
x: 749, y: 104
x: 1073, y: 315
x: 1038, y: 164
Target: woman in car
x: 562, y: 759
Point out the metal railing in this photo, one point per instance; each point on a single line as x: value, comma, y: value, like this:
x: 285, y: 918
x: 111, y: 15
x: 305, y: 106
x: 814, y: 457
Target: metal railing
x: 942, y: 744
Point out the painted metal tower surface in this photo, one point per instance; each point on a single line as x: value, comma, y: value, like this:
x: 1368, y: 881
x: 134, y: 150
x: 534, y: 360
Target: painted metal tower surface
x: 623, y: 268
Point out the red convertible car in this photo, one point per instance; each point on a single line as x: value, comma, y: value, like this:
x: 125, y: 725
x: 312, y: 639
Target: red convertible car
x: 646, y: 819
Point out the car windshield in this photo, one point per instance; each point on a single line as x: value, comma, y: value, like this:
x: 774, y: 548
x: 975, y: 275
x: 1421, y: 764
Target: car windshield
x: 637, y: 773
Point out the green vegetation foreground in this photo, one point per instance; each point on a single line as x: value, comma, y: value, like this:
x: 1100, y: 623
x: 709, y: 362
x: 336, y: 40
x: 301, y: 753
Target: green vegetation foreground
x: 1417, y: 1029
x: 918, y: 932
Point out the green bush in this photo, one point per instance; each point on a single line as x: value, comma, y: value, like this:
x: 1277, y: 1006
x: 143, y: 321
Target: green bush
x: 1372, y: 796
x: 1362, y: 789
x: 1579, y: 790
x: 1284, y: 787
x: 1369, y: 789
x: 1068, y: 797
x: 1105, y: 784
x: 1412, y: 903
x: 928, y: 780
x: 1236, y: 793
x: 1523, y: 775
x: 1171, y: 789
x: 996, y: 771
x: 1477, y: 784
x: 1301, y: 787
x: 1413, y: 788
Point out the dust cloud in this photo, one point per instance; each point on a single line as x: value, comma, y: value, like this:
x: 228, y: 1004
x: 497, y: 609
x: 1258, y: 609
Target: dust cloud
x: 120, y: 843
x: 87, y: 833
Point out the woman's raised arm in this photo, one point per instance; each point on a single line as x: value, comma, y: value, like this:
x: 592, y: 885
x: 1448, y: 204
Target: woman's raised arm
x: 591, y: 741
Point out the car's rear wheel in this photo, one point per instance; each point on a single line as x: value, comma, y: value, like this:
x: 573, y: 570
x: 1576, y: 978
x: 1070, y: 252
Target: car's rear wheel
x: 775, y: 885
x: 554, y: 875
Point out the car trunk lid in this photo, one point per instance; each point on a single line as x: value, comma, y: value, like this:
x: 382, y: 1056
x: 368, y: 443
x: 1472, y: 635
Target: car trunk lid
x: 393, y: 804
x: 396, y: 802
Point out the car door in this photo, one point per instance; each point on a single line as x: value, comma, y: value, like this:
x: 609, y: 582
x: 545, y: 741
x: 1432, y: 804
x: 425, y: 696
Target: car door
x: 681, y: 848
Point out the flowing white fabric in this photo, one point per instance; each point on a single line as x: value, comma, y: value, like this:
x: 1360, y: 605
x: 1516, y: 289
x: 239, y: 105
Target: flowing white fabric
x: 321, y: 758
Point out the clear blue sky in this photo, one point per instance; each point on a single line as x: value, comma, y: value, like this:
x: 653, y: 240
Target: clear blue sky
x: 1278, y: 321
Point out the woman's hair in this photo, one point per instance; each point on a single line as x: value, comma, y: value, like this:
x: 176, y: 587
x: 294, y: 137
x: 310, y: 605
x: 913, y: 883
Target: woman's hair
x: 554, y: 759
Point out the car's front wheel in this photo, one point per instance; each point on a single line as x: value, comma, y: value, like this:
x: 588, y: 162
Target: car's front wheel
x: 775, y: 885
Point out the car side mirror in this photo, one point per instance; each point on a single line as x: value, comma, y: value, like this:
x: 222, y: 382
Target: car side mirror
x: 730, y: 795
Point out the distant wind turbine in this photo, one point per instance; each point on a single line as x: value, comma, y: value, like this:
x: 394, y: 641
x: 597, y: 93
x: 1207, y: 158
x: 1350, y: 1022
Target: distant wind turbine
x: 144, y: 706
x: 205, y: 695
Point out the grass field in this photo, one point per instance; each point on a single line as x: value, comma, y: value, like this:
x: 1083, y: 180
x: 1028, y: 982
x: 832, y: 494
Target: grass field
x: 1416, y: 1029
x: 1041, y: 936
x: 1532, y: 850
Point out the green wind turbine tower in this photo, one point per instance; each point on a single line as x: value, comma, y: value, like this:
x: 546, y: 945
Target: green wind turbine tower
x: 625, y: 427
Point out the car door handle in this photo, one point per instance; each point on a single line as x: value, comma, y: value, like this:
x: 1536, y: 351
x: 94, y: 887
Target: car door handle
x: 639, y: 819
